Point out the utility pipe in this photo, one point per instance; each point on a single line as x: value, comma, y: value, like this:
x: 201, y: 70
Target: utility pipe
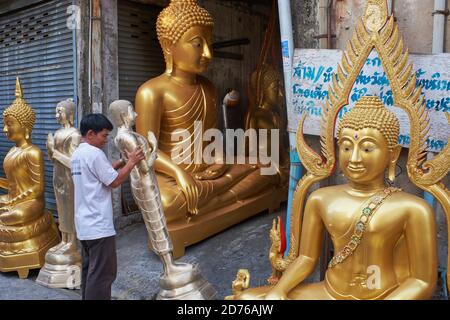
x: 287, y: 48
x: 439, y: 26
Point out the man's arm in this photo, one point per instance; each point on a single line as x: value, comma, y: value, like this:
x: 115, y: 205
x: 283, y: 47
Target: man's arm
x: 133, y: 158
x: 4, y: 183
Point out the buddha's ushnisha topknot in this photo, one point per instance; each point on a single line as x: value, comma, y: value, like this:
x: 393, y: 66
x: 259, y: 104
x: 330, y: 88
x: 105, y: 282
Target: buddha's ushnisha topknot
x: 20, y: 110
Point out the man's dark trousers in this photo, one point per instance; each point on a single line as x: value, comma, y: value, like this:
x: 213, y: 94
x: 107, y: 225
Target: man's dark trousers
x: 99, y: 261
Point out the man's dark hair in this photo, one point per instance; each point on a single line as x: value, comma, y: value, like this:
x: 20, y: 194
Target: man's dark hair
x: 95, y: 122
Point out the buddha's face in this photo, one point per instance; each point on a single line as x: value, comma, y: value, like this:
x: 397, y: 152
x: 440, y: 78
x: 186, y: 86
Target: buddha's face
x: 131, y: 115
x: 61, y: 114
x: 271, y: 94
x: 364, y: 154
x: 192, y: 52
x: 14, y: 130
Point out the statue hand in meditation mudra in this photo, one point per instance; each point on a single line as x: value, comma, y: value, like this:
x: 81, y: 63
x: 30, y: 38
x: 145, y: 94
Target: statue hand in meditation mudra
x: 27, y: 230
x: 62, y: 267
x: 212, y: 196
x: 179, y: 280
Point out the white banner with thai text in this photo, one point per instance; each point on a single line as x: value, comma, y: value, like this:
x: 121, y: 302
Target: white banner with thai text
x: 311, y: 77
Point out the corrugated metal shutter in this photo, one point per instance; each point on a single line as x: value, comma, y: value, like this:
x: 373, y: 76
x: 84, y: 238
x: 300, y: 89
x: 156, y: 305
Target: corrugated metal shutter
x: 37, y: 46
x: 140, y: 58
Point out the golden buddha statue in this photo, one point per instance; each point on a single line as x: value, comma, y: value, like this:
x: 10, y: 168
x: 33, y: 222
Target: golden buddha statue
x: 266, y: 111
x: 27, y: 229
x: 199, y: 199
x: 384, y: 239
x: 62, y: 268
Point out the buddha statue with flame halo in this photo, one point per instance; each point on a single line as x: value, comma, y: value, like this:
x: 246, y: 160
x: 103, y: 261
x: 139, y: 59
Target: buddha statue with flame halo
x: 397, y: 240
x: 27, y: 229
x: 384, y: 239
x: 199, y: 199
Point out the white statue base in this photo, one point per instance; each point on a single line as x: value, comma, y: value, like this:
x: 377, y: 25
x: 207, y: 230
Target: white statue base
x: 189, y: 285
x: 56, y: 276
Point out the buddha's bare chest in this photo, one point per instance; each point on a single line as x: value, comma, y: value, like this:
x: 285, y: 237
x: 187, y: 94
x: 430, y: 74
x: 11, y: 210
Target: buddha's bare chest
x: 383, y: 223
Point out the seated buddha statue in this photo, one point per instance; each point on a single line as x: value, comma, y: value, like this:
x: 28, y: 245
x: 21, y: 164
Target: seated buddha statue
x: 266, y: 110
x: 199, y: 199
x: 27, y: 230
x: 384, y: 239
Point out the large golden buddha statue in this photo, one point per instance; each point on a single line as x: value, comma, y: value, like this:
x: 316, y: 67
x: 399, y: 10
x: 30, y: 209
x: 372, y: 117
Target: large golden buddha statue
x: 384, y: 239
x: 27, y: 230
x: 199, y: 199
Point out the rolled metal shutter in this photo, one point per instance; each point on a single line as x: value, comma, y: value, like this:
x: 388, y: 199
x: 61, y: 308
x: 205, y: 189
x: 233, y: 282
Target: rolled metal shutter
x: 140, y: 59
x: 37, y: 46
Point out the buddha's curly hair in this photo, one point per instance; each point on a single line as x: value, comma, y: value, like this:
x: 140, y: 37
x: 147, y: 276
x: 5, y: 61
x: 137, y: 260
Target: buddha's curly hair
x: 178, y: 17
x: 22, y: 112
x: 369, y: 112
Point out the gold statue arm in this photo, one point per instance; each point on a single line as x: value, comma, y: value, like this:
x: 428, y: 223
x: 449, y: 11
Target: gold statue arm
x: 420, y: 235
x: 127, y: 144
x: 310, y: 247
x: 35, y: 164
x: 149, y: 110
x: 148, y: 107
x: 4, y: 183
x: 62, y: 158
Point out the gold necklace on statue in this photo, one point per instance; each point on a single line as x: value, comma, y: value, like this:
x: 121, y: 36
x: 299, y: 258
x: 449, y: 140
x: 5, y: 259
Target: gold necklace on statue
x: 367, y: 212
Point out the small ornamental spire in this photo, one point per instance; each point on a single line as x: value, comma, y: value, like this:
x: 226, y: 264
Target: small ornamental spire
x: 375, y: 14
x: 18, y: 89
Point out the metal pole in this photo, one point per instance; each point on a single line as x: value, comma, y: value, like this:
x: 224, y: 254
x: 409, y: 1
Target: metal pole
x: 287, y: 48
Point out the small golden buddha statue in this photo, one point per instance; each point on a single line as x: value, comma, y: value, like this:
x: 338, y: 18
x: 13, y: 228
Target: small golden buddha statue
x: 384, y: 239
x: 199, y: 199
x: 27, y: 230
x: 62, y: 267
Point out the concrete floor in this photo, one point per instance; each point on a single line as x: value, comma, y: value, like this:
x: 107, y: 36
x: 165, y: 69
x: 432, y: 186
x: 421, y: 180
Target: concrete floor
x: 243, y: 246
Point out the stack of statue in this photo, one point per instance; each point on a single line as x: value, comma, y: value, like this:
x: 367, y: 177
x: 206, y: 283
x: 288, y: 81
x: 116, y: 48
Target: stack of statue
x: 62, y: 267
x: 384, y: 239
x: 199, y: 199
x: 180, y: 280
x: 27, y: 229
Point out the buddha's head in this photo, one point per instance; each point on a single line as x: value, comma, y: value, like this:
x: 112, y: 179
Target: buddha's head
x: 19, y: 118
x: 185, y: 33
x: 367, y: 138
x: 265, y: 83
x: 122, y: 113
x: 65, y: 111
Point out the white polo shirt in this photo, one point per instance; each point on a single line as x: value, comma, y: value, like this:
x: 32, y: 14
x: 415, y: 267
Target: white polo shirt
x: 92, y: 174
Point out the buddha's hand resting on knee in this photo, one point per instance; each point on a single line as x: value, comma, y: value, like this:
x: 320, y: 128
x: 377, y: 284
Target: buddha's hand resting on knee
x: 213, y: 172
x: 189, y: 189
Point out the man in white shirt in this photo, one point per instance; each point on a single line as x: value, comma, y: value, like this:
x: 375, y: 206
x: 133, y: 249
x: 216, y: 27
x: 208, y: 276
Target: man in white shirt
x: 94, y: 177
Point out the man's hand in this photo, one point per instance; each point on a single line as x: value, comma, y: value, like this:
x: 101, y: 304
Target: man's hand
x: 135, y: 156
